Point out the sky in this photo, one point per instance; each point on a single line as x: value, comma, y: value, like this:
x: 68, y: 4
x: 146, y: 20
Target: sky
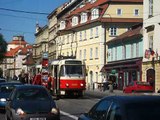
x: 23, y: 23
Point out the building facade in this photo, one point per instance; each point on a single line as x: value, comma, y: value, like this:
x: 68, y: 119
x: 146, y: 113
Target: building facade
x: 85, y: 31
x: 151, y: 49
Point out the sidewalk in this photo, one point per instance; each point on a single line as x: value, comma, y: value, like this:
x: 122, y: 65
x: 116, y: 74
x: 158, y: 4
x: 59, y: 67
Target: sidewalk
x: 99, y: 93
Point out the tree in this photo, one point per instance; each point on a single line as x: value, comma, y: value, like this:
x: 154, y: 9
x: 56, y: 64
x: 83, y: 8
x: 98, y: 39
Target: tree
x: 3, y: 48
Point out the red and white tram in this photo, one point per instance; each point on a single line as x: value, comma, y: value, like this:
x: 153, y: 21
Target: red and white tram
x: 69, y: 75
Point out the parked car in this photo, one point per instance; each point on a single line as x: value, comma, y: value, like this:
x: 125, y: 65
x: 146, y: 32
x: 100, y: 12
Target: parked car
x: 5, y: 90
x: 2, y: 80
x: 31, y: 102
x: 138, y: 86
x: 124, y: 108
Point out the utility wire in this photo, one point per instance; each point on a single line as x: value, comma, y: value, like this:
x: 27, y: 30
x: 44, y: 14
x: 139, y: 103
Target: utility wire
x: 21, y: 11
x: 31, y: 18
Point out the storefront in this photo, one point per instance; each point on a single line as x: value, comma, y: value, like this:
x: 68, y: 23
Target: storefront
x: 124, y: 71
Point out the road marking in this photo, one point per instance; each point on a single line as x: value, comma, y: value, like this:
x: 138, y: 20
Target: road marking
x: 69, y: 115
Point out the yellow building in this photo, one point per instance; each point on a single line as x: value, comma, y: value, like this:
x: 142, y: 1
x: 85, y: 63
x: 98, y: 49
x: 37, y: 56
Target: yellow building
x: 84, y: 32
x: 41, y: 45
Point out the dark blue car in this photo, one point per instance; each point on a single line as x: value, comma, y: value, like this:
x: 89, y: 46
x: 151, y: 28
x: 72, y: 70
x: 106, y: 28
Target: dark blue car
x: 31, y: 102
x: 5, y: 90
x: 125, y: 108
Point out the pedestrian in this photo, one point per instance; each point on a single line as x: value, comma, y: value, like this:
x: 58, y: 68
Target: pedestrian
x: 104, y: 83
x: 49, y: 82
x: 15, y: 77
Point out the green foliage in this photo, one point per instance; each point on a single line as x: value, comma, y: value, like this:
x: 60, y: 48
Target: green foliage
x: 3, y: 47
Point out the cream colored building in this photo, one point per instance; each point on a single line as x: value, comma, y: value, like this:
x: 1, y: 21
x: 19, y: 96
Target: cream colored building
x: 84, y: 32
x: 41, y: 45
x: 151, y: 29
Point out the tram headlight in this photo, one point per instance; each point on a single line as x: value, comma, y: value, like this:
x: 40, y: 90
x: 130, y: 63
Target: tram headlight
x: 81, y: 84
x: 67, y: 85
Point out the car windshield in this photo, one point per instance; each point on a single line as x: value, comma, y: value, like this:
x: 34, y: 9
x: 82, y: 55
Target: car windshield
x: 74, y: 70
x: 32, y: 94
x: 143, y: 111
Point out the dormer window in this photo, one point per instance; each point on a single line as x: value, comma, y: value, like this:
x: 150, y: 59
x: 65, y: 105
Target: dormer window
x: 74, y: 21
x: 62, y: 25
x: 83, y: 17
x: 95, y: 14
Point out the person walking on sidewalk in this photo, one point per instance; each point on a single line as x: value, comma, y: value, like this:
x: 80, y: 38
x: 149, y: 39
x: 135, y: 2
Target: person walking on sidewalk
x: 105, y: 85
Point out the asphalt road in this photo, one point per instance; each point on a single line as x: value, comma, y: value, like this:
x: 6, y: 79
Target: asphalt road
x: 71, y: 108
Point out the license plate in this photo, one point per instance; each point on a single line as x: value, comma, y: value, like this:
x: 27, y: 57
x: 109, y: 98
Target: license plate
x: 37, y: 118
x: 74, y: 84
x: 62, y: 92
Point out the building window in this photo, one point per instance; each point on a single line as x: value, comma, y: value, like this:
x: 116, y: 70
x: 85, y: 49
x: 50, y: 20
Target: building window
x: 132, y: 50
x: 151, y: 42
x: 85, y: 35
x: 83, y: 17
x: 75, y: 37
x: 113, y: 31
x: 137, y: 49
x: 94, y: 14
x: 96, y: 52
x: 80, y: 36
x: 80, y: 54
x: 111, y: 54
x: 84, y: 54
x: 91, y: 33
x: 123, y: 52
x: 74, y: 21
x: 91, y: 53
x: 136, y: 12
x: 62, y: 25
x: 115, y: 53
x: 119, y: 11
x: 150, y: 8
x: 97, y: 32
x: 67, y: 39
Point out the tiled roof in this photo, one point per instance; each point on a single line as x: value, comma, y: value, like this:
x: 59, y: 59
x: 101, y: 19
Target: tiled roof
x: 18, y: 42
x: 12, y: 52
x: 102, y: 5
x: 131, y: 34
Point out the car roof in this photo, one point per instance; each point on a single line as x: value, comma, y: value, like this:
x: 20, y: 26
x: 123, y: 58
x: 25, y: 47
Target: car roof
x: 28, y: 86
x: 10, y: 83
x: 134, y: 98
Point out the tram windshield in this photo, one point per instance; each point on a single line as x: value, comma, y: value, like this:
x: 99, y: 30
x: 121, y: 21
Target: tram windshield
x: 72, y: 70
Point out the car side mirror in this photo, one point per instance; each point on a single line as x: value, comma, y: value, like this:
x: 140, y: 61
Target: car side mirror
x: 8, y: 99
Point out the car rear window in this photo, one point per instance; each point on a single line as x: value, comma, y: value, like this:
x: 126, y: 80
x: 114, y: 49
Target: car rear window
x: 143, y: 111
x: 32, y: 94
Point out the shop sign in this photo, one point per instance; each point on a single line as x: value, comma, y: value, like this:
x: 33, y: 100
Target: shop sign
x: 113, y: 71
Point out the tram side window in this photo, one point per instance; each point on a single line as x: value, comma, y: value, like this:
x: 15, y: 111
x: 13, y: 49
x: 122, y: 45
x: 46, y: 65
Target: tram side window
x: 62, y: 71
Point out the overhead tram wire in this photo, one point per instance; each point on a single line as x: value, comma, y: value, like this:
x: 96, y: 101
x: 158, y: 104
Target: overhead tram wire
x: 21, y: 11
